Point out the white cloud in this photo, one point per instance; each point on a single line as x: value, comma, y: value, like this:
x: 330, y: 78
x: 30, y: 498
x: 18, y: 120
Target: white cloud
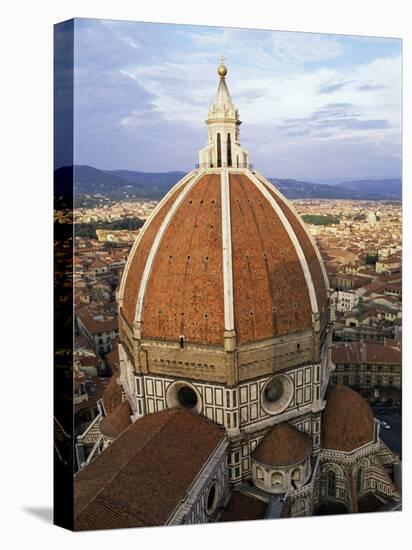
x: 273, y: 77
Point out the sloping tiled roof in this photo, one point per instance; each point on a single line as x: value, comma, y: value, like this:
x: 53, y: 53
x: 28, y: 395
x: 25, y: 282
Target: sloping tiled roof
x: 140, y: 479
x: 116, y: 421
x: 283, y: 445
x: 92, y: 323
x: 112, y: 396
x: 112, y: 358
x: 366, y: 353
x: 243, y: 508
x: 347, y: 420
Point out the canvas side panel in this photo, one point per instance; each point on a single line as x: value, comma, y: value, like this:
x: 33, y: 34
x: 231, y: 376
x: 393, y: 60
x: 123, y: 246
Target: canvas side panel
x: 63, y: 274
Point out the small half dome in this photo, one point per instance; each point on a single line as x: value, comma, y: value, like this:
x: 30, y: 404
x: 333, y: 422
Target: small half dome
x: 283, y: 445
x: 348, y: 421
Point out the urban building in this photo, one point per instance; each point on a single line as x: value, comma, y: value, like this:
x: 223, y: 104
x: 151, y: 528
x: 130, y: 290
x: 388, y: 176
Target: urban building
x: 98, y: 329
x: 373, y: 370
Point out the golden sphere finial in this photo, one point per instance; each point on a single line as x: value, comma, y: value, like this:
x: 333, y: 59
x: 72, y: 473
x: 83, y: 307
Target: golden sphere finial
x: 222, y: 69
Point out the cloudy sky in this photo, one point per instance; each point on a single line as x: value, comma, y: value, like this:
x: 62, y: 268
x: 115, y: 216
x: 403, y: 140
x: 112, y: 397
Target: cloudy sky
x: 313, y: 106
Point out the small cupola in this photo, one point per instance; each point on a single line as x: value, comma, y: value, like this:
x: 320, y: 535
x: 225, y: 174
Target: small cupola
x: 223, y: 149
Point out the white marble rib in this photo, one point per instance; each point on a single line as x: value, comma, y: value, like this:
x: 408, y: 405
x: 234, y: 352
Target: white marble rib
x: 227, y: 251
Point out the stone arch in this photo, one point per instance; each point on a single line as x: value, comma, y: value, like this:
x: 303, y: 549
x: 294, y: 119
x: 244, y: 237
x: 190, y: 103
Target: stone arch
x: 359, y: 479
x: 277, y: 479
x: 331, y: 483
x: 335, y: 467
x: 359, y: 474
x: 260, y: 475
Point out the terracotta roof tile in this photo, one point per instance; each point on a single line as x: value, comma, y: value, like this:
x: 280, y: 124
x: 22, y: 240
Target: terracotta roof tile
x: 112, y: 358
x: 308, y: 250
x: 138, y: 260
x: 95, y: 322
x: 363, y: 353
x: 283, y: 445
x: 347, y: 420
x: 112, y: 396
x: 116, y: 421
x: 140, y: 479
x: 184, y: 293
x: 243, y: 508
x: 270, y: 293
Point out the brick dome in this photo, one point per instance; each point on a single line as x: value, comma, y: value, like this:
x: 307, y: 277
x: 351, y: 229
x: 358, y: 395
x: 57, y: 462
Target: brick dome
x: 223, y: 251
x: 283, y: 445
x: 348, y: 421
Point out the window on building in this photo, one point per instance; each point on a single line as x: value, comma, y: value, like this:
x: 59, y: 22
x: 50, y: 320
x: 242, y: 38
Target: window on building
x: 211, y: 499
x: 331, y: 483
x: 259, y: 473
x: 359, y: 481
x: 277, y: 479
x: 229, y: 150
x: 228, y: 420
x: 182, y: 341
x: 187, y: 397
x: 219, y: 151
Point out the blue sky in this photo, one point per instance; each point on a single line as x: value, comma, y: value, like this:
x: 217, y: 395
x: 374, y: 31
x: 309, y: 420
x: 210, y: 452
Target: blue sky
x: 313, y: 106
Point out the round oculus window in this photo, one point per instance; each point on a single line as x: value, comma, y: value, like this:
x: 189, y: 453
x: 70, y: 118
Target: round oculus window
x: 211, y: 499
x: 277, y: 394
x: 187, y: 397
x: 182, y: 394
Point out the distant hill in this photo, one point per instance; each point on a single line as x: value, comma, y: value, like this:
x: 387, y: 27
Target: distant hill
x: 384, y: 189
x: 130, y: 184
x: 156, y: 183
x: 294, y: 189
x: 122, y: 184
